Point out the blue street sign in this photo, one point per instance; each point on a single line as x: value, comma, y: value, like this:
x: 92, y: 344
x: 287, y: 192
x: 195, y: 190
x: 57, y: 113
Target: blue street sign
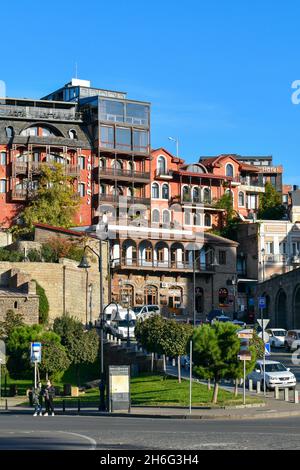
x: 251, y: 302
x: 262, y: 302
x: 267, y: 349
x: 36, y: 352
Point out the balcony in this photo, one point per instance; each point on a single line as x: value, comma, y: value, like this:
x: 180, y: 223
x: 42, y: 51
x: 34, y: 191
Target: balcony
x: 125, y: 175
x: 189, y: 200
x: 163, y: 175
x: 28, y: 112
x: 22, y: 168
x: 142, y: 264
x: 279, y: 258
x: 251, y: 185
x: 19, y: 194
x: 110, y: 198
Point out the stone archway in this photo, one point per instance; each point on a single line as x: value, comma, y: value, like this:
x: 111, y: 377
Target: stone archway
x: 296, y: 307
x: 281, y: 309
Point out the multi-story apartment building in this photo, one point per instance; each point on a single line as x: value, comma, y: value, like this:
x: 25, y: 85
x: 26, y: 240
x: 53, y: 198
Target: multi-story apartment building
x: 36, y: 132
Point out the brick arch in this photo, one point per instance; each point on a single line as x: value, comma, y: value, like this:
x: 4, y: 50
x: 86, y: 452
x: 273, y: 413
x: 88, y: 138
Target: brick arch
x: 296, y: 307
x: 281, y: 309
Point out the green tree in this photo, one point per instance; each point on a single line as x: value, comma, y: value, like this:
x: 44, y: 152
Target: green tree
x: 18, y: 347
x: 55, y: 359
x: 230, y: 221
x: 55, y: 202
x: 270, y: 204
x: 174, y: 340
x: 149, y: 333
x: 12, y: 320
x: 215, y: 351
x: 82, y: 346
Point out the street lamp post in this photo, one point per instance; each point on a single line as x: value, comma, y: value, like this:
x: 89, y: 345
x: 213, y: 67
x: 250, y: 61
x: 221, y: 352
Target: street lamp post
x: 234, y: 282
x: 177, y: 144
x: 85, y: 264
x: 263, y: 263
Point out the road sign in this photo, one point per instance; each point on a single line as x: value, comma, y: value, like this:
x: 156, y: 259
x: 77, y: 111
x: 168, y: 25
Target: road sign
x: 246, y: 334
x: 262, y: 302
x: 263, y: 323
x: 36, y: 352
x: 266, y: 336
x: 267, y: 349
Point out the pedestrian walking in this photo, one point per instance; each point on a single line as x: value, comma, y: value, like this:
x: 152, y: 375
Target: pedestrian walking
x: 49, y: 393
x: 37, y: 399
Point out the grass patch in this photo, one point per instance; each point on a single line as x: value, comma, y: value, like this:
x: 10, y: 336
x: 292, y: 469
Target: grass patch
x: 161, y: 390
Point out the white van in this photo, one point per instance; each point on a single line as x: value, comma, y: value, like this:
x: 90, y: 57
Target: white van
x: 117, y: 321
x: 146, y: 311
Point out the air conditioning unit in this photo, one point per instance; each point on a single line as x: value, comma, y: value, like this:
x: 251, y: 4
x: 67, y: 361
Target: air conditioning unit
x: 295, y: 259
x: 164, y: 285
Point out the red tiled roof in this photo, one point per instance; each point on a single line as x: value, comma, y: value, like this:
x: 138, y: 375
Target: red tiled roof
x: 52, y: 228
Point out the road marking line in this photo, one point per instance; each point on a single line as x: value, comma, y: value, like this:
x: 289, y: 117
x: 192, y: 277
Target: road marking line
x: 92, y: 441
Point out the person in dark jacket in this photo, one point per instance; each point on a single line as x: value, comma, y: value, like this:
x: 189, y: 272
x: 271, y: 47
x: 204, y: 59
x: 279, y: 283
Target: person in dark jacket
x: 37, y: 399
x: 49, y: 393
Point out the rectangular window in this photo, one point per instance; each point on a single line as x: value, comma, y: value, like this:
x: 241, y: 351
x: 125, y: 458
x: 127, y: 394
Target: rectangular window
x: 140, y: 141
x: 269, y: 248
x: 111, y: 110
x: 2, y: 158
x: 222, y: 257
x: 123, y: 138
x: 107, y: 137
x: 2, y: 186
x: 137, y: 114
x: 81, y: 162
x: 81, y: 189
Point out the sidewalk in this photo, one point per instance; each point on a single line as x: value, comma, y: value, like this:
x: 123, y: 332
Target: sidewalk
x: 270, y: 409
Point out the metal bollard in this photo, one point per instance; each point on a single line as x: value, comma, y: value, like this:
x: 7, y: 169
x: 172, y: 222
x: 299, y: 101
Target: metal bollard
x: 78, y: 406
x: 286, y: 394
x: 64, y: 406
x: 173, y: 362
x: 257, y: 387
x: 119, y: 341
x: 250, y: 385
x: 276, y: 393
x: 6, y: 404
x: 296, y: 396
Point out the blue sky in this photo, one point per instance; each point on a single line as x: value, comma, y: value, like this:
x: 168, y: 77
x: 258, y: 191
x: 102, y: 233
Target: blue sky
x: 218, y: 73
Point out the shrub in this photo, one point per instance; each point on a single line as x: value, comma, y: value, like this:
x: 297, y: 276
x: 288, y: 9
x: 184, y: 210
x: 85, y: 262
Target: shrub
x: 34, y: 256
x: 13, y: 256
x: 43, y: 305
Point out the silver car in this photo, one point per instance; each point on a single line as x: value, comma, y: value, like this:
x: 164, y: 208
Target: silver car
x: 277, y: 375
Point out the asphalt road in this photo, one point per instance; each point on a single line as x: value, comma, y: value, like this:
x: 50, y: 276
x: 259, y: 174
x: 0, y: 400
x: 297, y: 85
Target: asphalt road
x: 109, y: 433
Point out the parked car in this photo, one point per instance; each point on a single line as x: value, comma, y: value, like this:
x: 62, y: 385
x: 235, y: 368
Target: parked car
x: 277, y: 375
x: 277, y: 337
x: 146, y: 311
x: 240, y: 323
x: 292, y: 340
x: 221, y: 318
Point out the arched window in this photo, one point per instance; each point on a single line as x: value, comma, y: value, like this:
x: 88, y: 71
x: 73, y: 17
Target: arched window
x: 81, y: 189
x: 185, y: 193
x: 102, y: 189
x: 101, y: 163
x: 197, y: 219
x: 155, y: 216
x: 241, y: 199
x: 81, y: 162
x: 9, y: 132
x: 155, y: 191
x: 131, y: 166
x: 117, y: 165
x: 196, y: 195
x: 72, y: 134
x: 229, y: 170
x: 207, y: 220
x: 166, y: 217
x: 165, y: 191
x: 161, y: 165
x: 206, y: 195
